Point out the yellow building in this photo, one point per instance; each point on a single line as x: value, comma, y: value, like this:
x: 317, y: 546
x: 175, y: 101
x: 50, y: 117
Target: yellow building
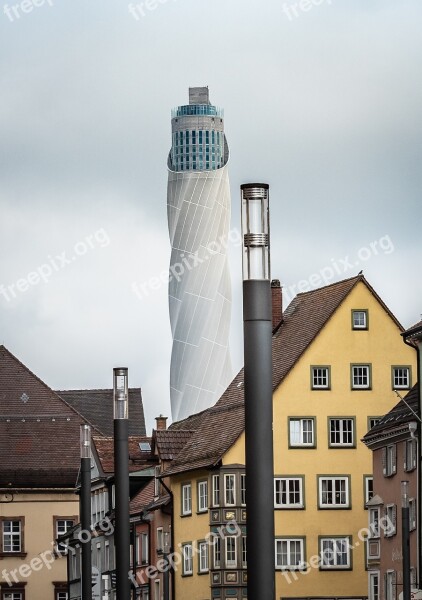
x: 338, y: 356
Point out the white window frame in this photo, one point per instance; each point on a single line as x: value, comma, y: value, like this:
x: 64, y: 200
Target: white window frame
x: 244, y: 552
x: 390, y: 459
x: 320, y: 378
x: 230, y: 551
x: 217, y: 552
x: 358, y: 324
x: 216, y: 490
x: 374, y: 588
x: 334, y: 541
x: 288, y: 543
x: 410, y: 449
x: 187, y: 559
x: 186, y: 499
x: 12, y: 596
x: 203, y: 559
x: 202, y: 496
x: 13, y: 537
x: 399, y: 374
x: 361, y: 375
x: 229, y: 489
x: 343, y: 431
x: 160, y: 539
x: 287, y: 483
x: 143, y: 549
x: 368, y: 479
x: 334, y: 481
x: 65, y: 526
x: 301, y: 432
x: 374, y: 523
x: 390, y: 585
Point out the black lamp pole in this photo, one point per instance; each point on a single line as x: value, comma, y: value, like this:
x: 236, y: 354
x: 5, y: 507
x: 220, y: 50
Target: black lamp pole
x: 85, y: 511
x: 405, y: 539
x: 121, y: 478
x: 257, y: 318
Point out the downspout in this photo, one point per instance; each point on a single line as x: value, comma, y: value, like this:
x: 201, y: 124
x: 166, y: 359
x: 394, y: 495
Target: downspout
x: 173, y: 582
x: 419, y: 446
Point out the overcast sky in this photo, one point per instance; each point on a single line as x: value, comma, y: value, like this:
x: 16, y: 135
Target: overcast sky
x: 323, y: 101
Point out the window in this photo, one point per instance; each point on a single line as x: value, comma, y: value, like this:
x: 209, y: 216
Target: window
x: 302, y: 432
x: 320, y: 378
x: 390, y: 517
x: 389, y: 460
x: 107, y: 556
x: 202, y: 496
x: 12, y: 535
x: 390, y: 585
x: 289, y: 553
x: 288, y: 492
x: 341, y: 432
x: 400, y: 378
x: 10, y: 595
x: 229, y: 485
x: 143, y: 549
x: 412, y: 514
x: 157, y: 482
x: 160, y: 539
x: 187, y: 559
x: 217, y: 552
x: 361, y: 377
x: 372, y: 421
x: 230, y: 551
x: 333, y: 492
x: 335, y: 553
x: 62, y: 596
x: 244, y: 553
x: 374, y: 586
x: 410, y: 455
x: 187, y: 499
x: 243, y: 489
x: 368, y: 487
x: 216, y: 490
x: 61, y: 526
x: 157, y: 589
x: 374, y: 523
x: 203, y: 557
x: 359, y: 319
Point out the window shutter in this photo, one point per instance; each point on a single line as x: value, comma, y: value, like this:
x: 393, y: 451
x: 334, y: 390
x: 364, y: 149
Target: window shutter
x: 394, y: 465
x: 384, y: 461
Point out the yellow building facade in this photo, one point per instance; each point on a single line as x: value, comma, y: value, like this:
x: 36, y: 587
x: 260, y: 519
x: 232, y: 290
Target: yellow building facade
x: 338, y: 357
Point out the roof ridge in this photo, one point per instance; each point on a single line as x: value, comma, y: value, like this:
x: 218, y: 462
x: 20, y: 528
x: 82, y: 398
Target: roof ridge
x: 324, y: 287
x: 133, y: 389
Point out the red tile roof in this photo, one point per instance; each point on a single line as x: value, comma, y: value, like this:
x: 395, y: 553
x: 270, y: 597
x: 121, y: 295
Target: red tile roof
x: 105, y: 450
x: 169, y: 442
x: 221, y: 425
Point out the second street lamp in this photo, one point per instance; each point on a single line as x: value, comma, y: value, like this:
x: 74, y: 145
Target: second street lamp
x: 85, y: 511
x: 121, y: 479
x: 257, y: 318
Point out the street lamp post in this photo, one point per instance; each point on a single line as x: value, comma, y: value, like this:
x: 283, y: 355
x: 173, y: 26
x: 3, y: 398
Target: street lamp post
x: 166, y: 575
x: 121, y: 479
x: 257, y: 318
x: 85, y: 511
x: 405, y: 539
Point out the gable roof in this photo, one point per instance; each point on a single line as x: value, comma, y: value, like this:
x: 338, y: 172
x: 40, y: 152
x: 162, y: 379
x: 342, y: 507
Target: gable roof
x: 105, y: 451
x: 169, y: 442
x: 97, y: 407
x: 221, y: 425
x: 39, y: 431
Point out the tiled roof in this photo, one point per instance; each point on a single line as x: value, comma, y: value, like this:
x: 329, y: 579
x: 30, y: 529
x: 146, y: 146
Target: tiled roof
x: 39, y: 432
x: 105, y: 450
x: 221, y: 425
x: 97, y: 407
x: 169, y: 442
x: 402, y: 413
x: 191, y: 423
x: 142, y: 498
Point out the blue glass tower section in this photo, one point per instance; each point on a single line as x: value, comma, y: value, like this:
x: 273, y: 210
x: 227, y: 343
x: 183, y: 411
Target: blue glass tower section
x: 198, y: 209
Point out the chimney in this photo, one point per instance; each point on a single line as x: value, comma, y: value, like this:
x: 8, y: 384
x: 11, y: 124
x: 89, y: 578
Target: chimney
x: 277, y: 303
x: 161, y: 423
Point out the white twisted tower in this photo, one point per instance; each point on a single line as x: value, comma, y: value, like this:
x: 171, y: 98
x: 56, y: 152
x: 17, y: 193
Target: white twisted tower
x: 198, y: 210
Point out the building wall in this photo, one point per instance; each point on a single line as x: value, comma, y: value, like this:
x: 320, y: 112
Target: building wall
x: 38, y: 510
